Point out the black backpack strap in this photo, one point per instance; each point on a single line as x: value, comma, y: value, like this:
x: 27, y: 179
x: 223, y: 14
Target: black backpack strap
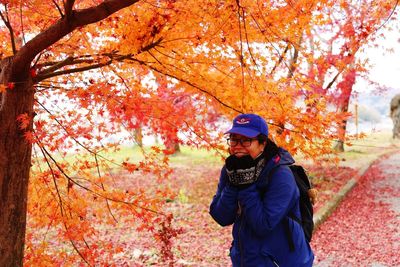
x: 294, y: 217
x: 287, y: 229
x: 288, y: 233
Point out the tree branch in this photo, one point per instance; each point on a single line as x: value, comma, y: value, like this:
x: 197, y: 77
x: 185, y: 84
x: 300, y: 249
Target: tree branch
x: 333, y: 80
x: 293, y: 60
x: 66, y: 62
x: 390, y: 15
x: 58, y: 8
x: 68, y: 5
x: 102, y: 187
x: 281, y: 57
x: 113, y: 56
x: 241, y: 56
x: 6, y: 21
x: 22, y: 25
x: 62, y: 27
x: 186, y: 82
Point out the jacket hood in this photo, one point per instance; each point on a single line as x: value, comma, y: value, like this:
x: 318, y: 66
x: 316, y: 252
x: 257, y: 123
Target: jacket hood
x: 285, y: 157
x: 282, y: 158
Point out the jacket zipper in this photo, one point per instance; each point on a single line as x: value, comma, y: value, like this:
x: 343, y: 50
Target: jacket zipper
x: 241, y: 249
x: 239, y: 239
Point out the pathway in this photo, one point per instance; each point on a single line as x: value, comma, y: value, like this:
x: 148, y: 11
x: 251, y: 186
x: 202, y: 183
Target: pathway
x: 365, y: 229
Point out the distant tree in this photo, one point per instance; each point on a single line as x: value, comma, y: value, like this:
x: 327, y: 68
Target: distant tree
x: 351, y: 28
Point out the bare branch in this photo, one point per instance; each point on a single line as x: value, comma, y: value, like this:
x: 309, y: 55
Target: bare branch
x: 390, y: 15
x: 58, y: 8
x: 102, y: 187
x: 83, y: 58
x: 281, y: 57
x: 333, y: 80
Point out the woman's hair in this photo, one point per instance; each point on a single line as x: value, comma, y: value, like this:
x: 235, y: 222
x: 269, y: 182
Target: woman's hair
x: 271, y: 149
x: 262, y: 138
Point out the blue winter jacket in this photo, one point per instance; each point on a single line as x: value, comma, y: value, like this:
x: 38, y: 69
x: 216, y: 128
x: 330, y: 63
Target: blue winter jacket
x: 258, y: 213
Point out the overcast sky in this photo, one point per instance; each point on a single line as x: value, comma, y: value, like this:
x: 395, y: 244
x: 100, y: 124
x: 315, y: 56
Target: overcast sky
x: 386, y: 71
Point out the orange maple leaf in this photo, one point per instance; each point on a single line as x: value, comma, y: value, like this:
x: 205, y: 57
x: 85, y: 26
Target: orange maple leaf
x: 3, y: 88
x: 24, y: 121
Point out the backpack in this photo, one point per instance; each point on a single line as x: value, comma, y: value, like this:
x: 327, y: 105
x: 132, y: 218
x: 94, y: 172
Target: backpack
x: 305, y: 203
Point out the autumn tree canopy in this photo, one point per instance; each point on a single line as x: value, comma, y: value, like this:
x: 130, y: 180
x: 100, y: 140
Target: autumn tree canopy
x: 79, y: 77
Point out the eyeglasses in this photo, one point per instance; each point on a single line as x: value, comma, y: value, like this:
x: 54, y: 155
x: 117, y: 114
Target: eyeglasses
x: 243, y: 142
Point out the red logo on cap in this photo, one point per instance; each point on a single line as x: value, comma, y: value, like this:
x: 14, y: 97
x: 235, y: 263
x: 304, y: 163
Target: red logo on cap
x: 243, y: 121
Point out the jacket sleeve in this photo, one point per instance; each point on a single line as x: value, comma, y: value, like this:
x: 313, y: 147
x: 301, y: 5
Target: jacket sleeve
x: 224, y: 206
x: 280, y: 196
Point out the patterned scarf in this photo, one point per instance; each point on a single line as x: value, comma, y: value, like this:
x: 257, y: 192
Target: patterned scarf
x: 248, y: 175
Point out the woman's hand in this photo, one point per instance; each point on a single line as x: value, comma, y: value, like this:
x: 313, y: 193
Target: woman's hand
x: 241, y: 171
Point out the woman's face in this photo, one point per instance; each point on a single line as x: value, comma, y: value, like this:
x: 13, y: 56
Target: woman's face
x: 242, y: 146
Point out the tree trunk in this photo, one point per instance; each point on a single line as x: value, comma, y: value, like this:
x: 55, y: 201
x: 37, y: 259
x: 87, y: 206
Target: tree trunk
x: 177, y: 148
x: 172, y: 146
x: 15, y: 162
x: 346, y: 87
x: 138, y: 136
x: 339, y: 146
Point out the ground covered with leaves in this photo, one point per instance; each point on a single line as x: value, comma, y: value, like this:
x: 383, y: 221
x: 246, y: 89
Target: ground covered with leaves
x: 365, y: 227
x: 201, y: 241
x: 190, y: 237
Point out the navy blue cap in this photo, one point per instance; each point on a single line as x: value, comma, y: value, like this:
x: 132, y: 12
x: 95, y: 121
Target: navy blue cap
x: 249, y: 125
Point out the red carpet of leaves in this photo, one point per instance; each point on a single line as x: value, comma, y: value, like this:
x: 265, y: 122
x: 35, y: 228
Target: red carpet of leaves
x: 203, y: 242
x: 365, y: 229
x: 328, y: 180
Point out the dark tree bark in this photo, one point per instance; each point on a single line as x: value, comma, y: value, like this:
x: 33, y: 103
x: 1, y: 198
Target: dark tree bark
x: 15, y: 163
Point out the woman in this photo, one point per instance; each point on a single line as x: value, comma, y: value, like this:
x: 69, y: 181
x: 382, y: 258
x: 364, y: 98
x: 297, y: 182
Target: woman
x: 257, y: 201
